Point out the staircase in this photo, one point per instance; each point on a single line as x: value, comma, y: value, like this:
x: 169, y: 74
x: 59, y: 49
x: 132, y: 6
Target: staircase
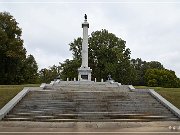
x: 89, y: 104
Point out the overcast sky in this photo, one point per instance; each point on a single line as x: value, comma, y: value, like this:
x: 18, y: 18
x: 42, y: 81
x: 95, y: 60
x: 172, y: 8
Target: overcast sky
x: 151, y: 29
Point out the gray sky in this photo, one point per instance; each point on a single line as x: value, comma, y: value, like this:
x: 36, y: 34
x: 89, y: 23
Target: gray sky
x: 151, y: 29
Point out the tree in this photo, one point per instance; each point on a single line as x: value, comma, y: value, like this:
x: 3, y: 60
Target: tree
x: 76, y: 48
x: 12, y: 52
x: 69, y: 69
x: 48, y: 75
x: 30, y: 69
x: 155, y: 65
x: 161, y: 78
x: 107, y: 55
x: 141, y: 67
x: 15, y: 68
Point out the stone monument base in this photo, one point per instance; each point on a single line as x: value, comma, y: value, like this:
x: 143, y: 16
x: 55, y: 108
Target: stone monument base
x: 84, y: 74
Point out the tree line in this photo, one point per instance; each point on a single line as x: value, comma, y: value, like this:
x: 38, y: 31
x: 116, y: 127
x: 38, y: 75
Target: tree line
x: 15, y: 66
x: 108, y: 54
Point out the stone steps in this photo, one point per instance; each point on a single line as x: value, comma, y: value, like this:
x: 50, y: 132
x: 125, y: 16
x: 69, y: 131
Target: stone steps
x: 83, y: 105
x: 86, y: 115
x: 88, y: 86
x: 90, y: 114
x: 90, y: 119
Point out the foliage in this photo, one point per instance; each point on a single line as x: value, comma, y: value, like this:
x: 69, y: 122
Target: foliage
x: 76, y: 48
x: 69, y: 69
x: 30, y: 69
x: 161, y: 77
x: 153, y: 74
x: 12, y: 53
x: 48, y: 75
x: 107, y: 55
x: 141, y: 67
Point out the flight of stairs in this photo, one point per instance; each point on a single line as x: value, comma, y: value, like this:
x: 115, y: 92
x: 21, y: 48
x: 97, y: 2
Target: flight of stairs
x: 88, y: 104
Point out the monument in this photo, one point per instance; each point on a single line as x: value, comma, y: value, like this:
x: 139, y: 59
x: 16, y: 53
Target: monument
x: 84, y: 72
x: 85, y: 101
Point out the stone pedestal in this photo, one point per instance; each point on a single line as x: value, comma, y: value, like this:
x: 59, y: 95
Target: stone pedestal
x: 84, y: 74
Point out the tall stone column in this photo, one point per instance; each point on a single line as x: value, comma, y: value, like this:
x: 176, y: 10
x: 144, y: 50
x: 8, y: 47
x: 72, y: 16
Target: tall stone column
x: 84, y: 70
x: 85, y: 27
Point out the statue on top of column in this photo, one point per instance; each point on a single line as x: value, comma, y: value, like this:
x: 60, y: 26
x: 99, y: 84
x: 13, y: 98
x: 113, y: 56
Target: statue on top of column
x: 85, y: 16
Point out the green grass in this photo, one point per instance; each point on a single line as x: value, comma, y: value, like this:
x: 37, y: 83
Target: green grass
x: 170, y: 94
x: 7, y: 92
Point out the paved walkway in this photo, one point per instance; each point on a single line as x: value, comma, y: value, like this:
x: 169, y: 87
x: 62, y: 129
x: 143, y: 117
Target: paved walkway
x: 92, y: 128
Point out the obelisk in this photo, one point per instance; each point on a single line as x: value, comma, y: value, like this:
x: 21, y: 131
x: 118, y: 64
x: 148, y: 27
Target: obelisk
x: 84, y: 70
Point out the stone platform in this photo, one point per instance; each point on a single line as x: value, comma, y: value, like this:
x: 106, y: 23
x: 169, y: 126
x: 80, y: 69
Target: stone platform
x: 89, y: 102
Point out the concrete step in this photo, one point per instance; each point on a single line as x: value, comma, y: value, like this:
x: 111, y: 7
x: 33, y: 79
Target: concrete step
x: 90, y: 119
x: 84, y: 105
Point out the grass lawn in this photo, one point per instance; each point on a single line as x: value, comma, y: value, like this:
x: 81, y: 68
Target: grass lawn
x: 171, y: 94
x: 7, y: 92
